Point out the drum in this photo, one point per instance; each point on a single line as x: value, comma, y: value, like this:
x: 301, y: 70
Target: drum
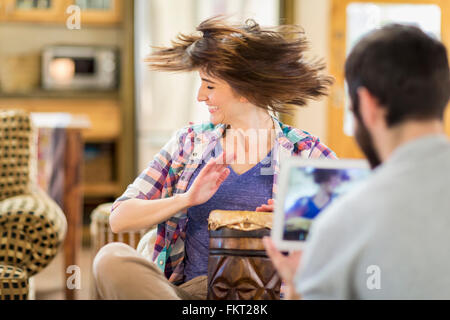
x: 238, y: 267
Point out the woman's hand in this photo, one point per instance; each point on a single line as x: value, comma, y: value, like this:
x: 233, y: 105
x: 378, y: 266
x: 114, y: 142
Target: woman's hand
x: 269, y: 207
x: 208, y: 180
x: 136, y: 214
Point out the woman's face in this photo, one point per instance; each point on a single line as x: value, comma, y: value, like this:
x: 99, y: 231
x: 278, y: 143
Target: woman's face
x: 332, y: 184
x: 223, y: 104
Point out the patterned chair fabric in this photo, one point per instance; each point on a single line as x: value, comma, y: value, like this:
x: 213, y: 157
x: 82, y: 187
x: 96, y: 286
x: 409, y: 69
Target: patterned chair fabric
x: 13, y: 283
x: 16, y: 150
x: 32, y: 226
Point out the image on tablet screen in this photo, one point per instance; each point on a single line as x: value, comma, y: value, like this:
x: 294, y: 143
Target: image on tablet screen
x: 310, y: 191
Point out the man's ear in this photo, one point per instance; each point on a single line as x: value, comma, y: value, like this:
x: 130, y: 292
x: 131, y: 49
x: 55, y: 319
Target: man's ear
x: 369, y: 108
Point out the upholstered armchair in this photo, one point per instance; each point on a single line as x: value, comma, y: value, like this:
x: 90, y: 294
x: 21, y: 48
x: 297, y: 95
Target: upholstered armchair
x: 101, y: 233
x: 32, y: 226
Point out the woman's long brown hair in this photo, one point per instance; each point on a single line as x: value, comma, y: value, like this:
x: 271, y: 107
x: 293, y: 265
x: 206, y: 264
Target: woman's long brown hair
x: 265, y: 65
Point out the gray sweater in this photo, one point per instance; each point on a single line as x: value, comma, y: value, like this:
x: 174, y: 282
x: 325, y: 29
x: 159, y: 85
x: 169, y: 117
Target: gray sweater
x: 390, y: 239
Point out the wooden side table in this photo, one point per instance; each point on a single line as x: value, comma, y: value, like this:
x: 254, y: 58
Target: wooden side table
x: 73, y: 201
x: 70, y: 166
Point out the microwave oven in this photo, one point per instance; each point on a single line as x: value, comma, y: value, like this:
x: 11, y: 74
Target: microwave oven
x: 73, y: 67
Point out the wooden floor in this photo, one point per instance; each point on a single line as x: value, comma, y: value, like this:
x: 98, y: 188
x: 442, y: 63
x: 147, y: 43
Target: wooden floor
x: 50, y: 283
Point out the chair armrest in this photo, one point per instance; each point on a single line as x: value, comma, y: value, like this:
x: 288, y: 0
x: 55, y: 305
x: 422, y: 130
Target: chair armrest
x: 147, y: 244
x: 33, y: 227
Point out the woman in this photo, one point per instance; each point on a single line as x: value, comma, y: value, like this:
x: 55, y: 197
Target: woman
x: 299, y: 216
x: 247, y: 73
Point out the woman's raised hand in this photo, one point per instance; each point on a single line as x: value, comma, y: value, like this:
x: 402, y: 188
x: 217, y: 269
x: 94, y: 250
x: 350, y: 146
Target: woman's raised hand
x: 209, y: 180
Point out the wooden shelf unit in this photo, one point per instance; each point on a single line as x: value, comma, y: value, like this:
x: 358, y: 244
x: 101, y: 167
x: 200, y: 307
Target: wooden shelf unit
x: 102, y: 190
x: 56, y: 13
x: 106, y: 126
x: 103, y: 114
x: 110, y: 113
x: 61, y: 94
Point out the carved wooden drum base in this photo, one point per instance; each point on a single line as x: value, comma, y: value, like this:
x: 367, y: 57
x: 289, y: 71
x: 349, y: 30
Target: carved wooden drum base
x: 238, y: 267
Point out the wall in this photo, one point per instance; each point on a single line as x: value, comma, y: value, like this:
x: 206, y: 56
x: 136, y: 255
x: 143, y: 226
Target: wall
x: 166, y: 102
x: 314, y: 17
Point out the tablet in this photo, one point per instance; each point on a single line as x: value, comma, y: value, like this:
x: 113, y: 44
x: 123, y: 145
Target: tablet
x: 306, y: 188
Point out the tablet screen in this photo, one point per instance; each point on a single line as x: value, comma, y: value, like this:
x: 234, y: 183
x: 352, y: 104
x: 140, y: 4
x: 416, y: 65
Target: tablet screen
x: 309, y: 191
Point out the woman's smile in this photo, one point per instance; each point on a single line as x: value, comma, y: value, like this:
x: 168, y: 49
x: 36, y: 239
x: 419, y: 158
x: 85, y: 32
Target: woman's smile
x: 212, y: 109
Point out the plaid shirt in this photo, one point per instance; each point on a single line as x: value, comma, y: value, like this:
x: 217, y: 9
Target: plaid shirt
x: 170, y: 170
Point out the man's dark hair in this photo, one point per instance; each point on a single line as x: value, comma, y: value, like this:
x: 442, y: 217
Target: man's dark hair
x: 405, y: 69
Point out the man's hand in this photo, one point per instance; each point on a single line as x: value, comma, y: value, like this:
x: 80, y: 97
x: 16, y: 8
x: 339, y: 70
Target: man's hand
x: 285, y: 265
x: 209, y: 180
x: 269, y: 207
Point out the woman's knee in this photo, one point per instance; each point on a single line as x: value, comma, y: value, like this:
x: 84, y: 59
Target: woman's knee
x: 109, y: 259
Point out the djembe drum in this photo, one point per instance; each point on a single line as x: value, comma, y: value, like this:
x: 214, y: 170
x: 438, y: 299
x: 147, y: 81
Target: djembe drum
x: 238, y: 267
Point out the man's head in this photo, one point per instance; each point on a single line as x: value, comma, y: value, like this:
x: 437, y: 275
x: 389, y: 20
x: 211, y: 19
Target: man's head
x: 398, y: 74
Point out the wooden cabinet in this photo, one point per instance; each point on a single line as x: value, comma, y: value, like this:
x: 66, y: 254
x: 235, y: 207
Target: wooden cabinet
x: 92, y: 12
x: 99, y: 11
x: 32, y: 11
x: 110, y: 113
x: 105, y: 121
x: 2, y: 10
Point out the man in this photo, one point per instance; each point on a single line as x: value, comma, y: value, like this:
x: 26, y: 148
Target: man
x: 390, y: 238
